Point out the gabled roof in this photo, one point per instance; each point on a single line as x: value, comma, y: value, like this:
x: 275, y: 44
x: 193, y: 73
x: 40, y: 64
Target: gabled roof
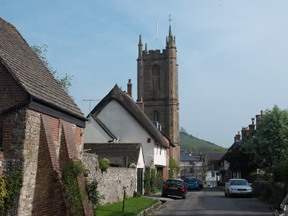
x: 31, y: 74
x: 103, y: 126
x: 133, y: 109
x: 130, y: 150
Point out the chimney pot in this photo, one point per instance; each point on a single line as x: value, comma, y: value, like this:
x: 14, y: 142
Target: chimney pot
x: 129, y: 88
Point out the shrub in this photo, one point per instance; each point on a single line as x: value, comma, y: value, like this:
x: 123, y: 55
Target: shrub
x: 104, y: 164
x: 159, y: 181
x: 93, y: 194
x: 3, y: 194
x: 153, y: 181
x: 147, y: 181
x: 280, y: 172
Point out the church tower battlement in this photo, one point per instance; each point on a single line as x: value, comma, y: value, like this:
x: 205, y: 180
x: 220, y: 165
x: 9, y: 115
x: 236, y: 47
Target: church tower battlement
x: 157, y: 77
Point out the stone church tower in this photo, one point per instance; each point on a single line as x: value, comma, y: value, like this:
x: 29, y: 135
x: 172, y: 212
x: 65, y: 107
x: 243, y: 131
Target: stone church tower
x: 158, y: 88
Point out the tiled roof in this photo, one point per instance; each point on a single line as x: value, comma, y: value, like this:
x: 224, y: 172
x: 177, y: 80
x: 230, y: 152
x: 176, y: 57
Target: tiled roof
x: 30, y: 73
x: 189, y: 157
x: 127, y: 102
x: 131, y: 150
x: 214, y: 155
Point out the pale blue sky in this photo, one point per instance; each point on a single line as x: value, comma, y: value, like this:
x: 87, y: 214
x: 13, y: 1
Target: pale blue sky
x: 232, y: 55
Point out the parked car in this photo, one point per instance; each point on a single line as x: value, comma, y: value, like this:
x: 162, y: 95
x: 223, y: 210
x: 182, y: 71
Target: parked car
x: 282, y: 209
x: 174, y: 187
x: 200, y: 183
x: 238, y: 187
x: 192, y: 183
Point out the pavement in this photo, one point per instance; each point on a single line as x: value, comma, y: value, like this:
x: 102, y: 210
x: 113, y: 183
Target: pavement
x: 160, y: 203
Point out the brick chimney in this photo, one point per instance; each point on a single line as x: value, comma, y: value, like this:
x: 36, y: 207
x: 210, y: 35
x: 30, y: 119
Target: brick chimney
x: 245, y: 133
x: 258, y: 117
x: 252, y: 126
x: 129, y: 88
x: 237, y: 137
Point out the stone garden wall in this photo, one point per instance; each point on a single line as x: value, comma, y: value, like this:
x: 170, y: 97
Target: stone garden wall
x: 111, y: 182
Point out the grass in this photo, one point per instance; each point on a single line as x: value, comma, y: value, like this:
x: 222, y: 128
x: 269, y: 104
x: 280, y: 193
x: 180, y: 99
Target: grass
x: 133, y: 206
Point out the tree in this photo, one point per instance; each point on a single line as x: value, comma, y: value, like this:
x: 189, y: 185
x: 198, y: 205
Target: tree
x: 41, y: 52
x: 269, y: 145
x: 239, y: 160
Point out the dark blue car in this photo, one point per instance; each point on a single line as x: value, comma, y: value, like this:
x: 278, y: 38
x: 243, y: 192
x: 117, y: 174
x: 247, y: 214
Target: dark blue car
x: 174, y: 187
x: 192, y: 183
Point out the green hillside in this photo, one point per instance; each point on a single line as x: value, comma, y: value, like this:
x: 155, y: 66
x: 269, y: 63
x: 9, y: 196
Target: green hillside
x: 196, y: 145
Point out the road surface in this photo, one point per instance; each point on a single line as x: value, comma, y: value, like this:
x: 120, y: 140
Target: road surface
x: 211, y: 201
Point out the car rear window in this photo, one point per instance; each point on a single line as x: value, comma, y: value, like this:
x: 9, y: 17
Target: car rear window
x: 174, y: 182
x: 238, y: 182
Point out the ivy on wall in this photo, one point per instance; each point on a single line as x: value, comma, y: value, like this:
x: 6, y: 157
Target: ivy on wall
x: 71, y: 187
x: 93, y: 194
x: 72, y: 191
x: 173, y: 168
x: 10, y: 186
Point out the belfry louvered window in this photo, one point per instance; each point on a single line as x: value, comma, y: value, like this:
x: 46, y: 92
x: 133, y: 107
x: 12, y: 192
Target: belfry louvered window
x: 155, y: 78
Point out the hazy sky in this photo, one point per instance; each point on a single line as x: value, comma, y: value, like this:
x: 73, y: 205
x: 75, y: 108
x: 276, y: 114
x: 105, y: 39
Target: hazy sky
x: 232, y: 55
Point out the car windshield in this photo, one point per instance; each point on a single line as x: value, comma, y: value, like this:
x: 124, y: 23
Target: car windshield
x: 238, y: 182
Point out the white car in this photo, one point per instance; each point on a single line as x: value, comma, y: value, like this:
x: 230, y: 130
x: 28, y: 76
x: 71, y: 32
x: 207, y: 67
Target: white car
x: 238, y: 187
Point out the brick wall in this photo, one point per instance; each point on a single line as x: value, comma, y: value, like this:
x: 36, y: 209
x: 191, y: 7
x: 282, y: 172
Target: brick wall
x: 110, y: 183
x: 41, y: 144
x: 48, y: 190
x: 9, y: 96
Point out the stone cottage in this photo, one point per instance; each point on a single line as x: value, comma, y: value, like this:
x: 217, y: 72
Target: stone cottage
x: 41, y: 127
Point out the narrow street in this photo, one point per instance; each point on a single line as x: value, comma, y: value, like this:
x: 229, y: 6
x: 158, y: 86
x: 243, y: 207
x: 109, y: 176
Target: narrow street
x: 213, y: 202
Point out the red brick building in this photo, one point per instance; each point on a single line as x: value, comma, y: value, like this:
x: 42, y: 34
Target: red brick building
x: 40, y: 127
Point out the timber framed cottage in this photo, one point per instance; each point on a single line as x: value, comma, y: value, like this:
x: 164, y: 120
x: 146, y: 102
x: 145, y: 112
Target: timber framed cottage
x: 41, y: 128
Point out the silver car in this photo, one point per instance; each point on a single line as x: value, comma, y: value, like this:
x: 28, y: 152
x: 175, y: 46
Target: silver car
x: 238, y: 187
